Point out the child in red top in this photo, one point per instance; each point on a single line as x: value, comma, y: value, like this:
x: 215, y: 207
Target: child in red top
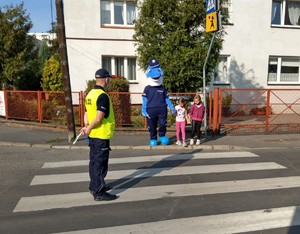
x: 196, y: 114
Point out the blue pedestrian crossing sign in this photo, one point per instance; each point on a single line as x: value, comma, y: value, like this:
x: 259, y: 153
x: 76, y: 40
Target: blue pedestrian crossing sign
x: 211, y: 6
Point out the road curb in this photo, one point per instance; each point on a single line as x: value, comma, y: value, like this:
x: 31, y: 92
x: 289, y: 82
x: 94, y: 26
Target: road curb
x: 122, y: 147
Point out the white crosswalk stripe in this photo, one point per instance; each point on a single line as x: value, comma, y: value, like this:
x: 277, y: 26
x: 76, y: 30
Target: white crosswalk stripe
x: 213, y: 224
x: 155, y: 158
x: 154, y: 172
x: 219, y: 223
x: 156, y: 192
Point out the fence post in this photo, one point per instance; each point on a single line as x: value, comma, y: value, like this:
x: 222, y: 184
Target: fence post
x: 39, y: 94
x: 81, y: 108
x: 267, y: 110
x: 210, y: 109
x: 6, y: 104
x: 216, y: 111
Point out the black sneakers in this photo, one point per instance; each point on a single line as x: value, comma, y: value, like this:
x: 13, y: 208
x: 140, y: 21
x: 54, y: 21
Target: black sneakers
x: 105, y: 197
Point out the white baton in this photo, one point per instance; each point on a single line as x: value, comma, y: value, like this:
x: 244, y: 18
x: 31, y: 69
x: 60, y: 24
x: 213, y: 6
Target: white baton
x: 74, y: 142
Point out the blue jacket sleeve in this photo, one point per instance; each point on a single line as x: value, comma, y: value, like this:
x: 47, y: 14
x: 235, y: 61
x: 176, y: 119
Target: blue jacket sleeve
x: 170, y: 105
x: 144, y: 107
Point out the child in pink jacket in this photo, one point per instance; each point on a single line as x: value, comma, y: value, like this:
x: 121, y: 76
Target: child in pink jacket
x: 196, y: 114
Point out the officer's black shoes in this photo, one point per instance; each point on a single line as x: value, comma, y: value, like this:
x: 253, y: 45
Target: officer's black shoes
x: 105, y: 197
x: 105, y: 189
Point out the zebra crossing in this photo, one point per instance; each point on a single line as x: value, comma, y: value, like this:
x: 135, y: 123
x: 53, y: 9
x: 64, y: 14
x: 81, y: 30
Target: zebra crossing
x: 168, y: 168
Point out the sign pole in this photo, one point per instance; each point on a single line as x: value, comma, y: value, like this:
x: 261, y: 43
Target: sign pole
x: 204, y: 83
x: 212, y: 25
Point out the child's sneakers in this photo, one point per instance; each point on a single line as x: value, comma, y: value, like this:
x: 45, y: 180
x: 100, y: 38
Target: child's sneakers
x: 198, y: 142
x: 184, y: 144
x: 192, y: 142
x: 178, y: 143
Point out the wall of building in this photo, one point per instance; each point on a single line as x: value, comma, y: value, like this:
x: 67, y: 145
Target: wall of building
x: 251, y: 40
x: 87, y: 42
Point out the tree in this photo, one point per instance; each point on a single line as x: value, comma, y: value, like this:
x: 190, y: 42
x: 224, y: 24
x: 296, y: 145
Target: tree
x: 52, y: 75
x: 18, y: 52
x: 173, y: 32
x: 44, y: 54
x: 54, y: 45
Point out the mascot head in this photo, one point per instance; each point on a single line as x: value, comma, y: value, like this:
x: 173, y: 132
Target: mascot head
x: 154, y: 73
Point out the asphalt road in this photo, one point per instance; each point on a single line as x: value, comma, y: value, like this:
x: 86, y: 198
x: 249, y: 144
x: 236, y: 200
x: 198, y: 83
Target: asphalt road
x: 46, y: 191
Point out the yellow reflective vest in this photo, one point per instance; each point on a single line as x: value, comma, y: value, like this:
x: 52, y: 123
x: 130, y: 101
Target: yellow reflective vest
x: 105, y: 130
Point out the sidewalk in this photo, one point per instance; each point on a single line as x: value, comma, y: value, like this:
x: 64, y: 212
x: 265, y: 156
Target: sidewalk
x: 40, y: 135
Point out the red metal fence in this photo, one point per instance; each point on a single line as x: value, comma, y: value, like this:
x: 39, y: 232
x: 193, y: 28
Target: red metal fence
x: 252, y: 111
x: 233, y: 111
x: 49, y: 107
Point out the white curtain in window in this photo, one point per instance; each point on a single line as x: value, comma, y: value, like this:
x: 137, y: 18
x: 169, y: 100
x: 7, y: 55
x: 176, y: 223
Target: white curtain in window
x: 294, y: 12
x: 119, y: 13
x: 130, y: 13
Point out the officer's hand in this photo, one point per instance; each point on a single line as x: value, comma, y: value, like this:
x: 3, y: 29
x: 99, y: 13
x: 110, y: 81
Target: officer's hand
x: 85, y: 130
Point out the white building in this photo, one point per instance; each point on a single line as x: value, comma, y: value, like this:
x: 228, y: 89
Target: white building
x: 261, y: 48
x: 43, y: 37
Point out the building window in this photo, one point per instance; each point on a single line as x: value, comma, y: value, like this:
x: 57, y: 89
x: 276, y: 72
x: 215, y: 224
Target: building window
x: 131, y: 68
x: 120, y: 66
x: 117, y: 12
x: 105, y: 12
x: 284, y: 70
x: 285, y: 12
x: 222, y: 70
x: 130, y: 13
x: 226, y: 11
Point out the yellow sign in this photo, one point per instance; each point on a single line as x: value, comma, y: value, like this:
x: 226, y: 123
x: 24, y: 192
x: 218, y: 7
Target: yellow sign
x: 211, y: 22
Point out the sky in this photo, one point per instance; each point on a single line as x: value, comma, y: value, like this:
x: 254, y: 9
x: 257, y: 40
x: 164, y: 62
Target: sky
x: 39, y: 12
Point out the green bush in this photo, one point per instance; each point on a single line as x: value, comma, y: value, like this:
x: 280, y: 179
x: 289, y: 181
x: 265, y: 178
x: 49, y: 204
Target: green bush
x: 226, y: 100
x: 121, y: 102
x: 117, y: 84
x: 89, y: 85
x: 136, y: 110
x: 52, y: 75
x: 23, y: 106
x: 137, y: 121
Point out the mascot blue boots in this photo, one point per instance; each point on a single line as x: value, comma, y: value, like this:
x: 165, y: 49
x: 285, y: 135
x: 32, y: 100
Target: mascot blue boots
x: 155, y: 103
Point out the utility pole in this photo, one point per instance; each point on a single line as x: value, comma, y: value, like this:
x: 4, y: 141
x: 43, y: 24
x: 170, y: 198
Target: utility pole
x: 65, y: 69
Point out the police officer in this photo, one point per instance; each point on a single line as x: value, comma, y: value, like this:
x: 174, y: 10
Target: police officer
x: 99, y: 126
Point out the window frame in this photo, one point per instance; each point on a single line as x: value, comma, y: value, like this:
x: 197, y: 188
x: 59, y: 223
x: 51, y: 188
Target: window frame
x: 110, y: 62
x: 126, y: 21
x: 283, y: 11
x: 222, y: 81
x: 280, y: 60
x: 227, y: 4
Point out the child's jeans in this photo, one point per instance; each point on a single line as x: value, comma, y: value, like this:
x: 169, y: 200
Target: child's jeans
x: 180, y: 126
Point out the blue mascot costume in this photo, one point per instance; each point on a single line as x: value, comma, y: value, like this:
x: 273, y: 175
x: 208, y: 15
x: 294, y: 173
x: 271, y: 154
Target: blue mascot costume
x: 155, y: 104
